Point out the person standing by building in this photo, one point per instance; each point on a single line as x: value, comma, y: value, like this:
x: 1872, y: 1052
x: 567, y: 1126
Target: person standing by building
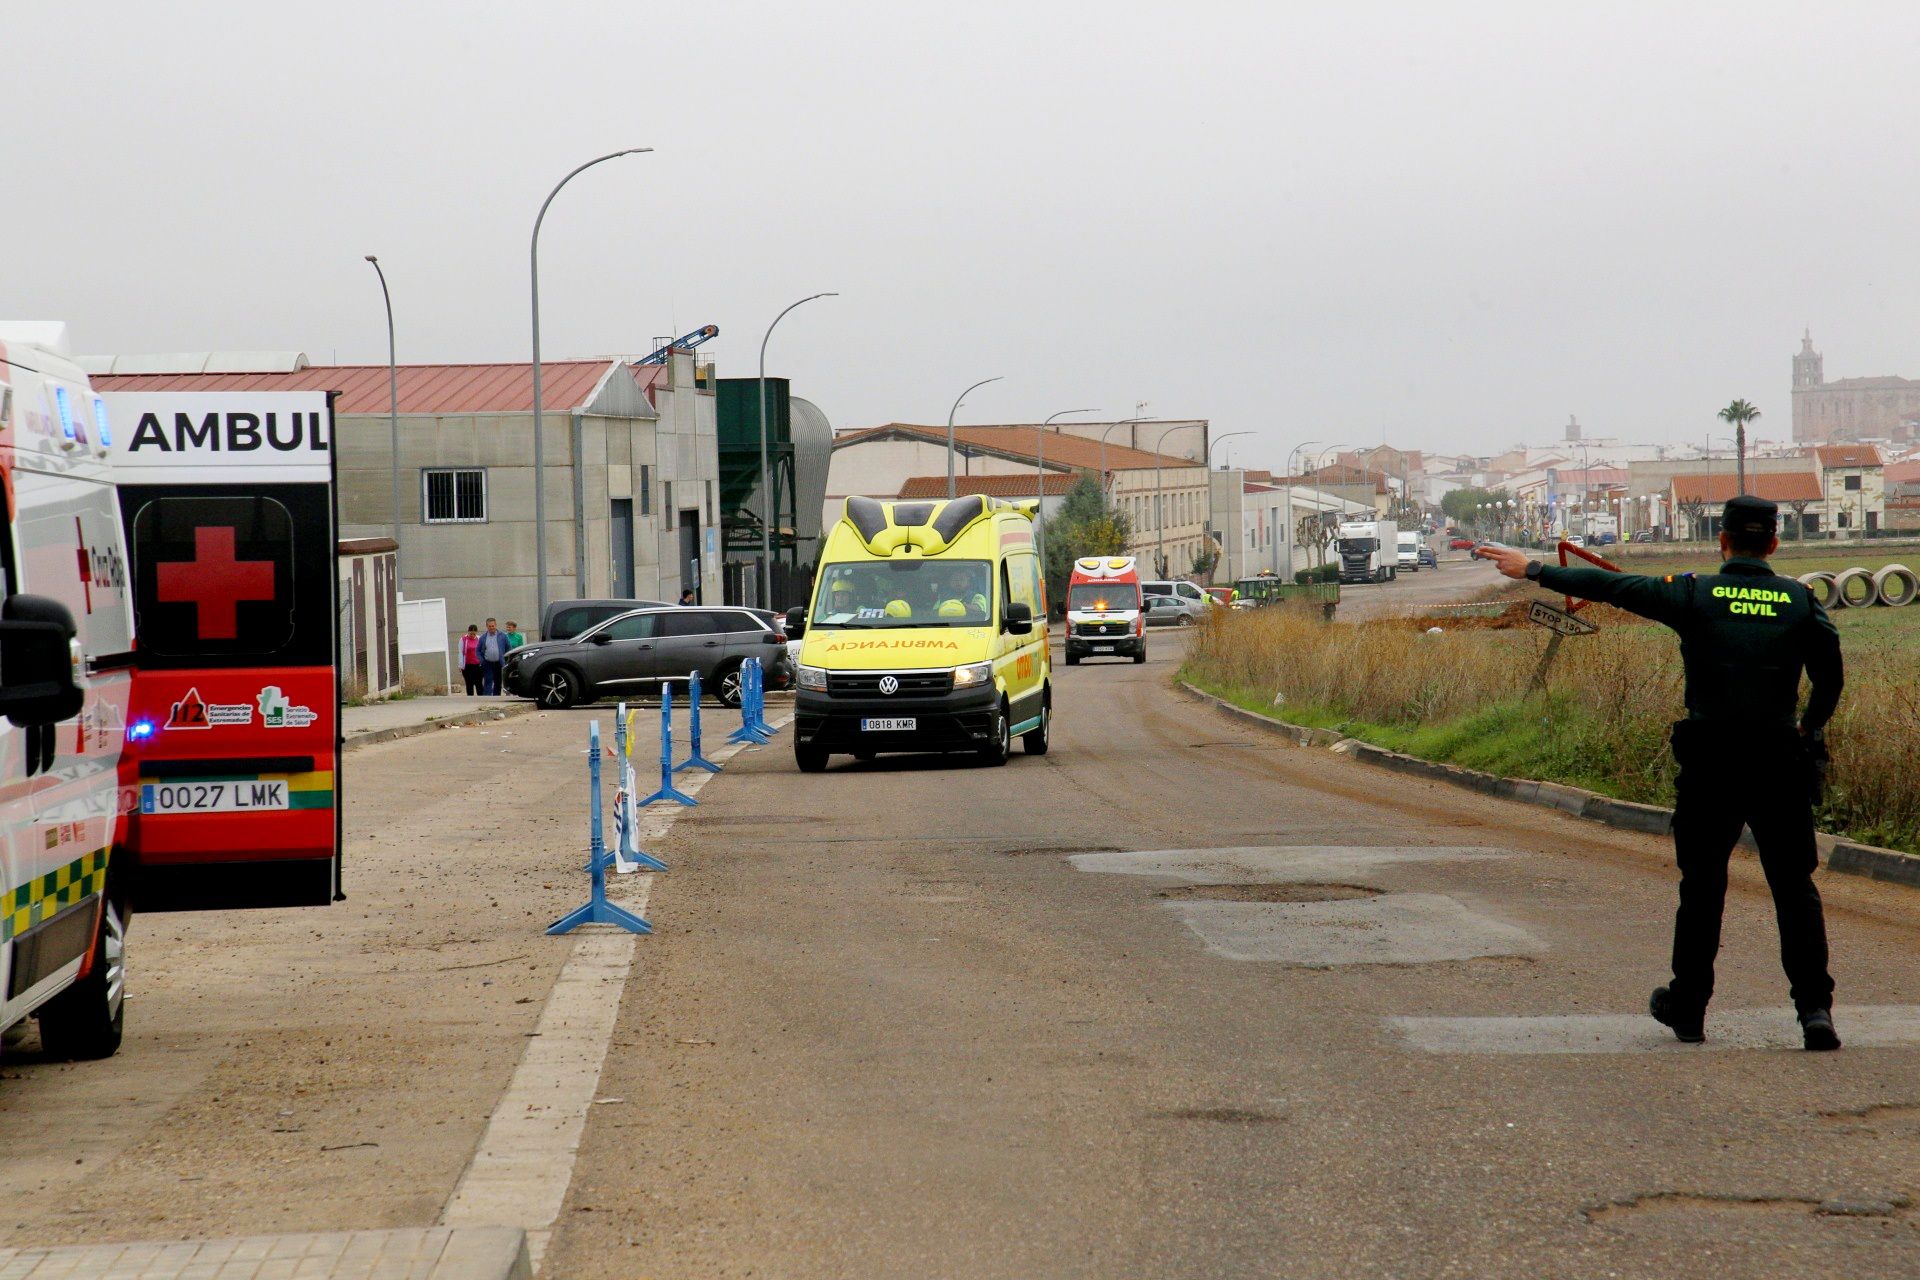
x: 470, y: 659
x: 1746, y: 633
x: 493, y: 652
x: 515, y: 638
x: 687, y: 598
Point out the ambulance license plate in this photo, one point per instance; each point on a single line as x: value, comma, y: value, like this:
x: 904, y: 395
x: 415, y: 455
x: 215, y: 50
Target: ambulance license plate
x: 212, y: 797
x: 893, y: 725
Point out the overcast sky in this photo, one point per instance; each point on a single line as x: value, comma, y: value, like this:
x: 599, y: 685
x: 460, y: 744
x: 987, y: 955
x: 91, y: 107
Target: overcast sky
x: 1450, y: 225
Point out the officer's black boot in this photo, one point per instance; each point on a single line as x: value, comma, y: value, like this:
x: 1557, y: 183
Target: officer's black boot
x: 1816, y: 1030
x: 1689, y: 1025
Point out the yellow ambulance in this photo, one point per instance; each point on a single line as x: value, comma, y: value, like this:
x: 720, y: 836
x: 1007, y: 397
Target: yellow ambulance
x: 927, y: 632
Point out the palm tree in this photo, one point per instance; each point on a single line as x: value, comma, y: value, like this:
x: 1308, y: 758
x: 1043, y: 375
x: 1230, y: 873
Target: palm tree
x: 1739, y: 413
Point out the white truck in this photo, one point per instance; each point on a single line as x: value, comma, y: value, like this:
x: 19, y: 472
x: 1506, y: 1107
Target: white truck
x: 1368, y: 551
x: 1409, y: 551
x: 66, y: 669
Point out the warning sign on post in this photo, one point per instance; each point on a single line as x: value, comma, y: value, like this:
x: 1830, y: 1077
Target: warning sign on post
x: 1558, y: 621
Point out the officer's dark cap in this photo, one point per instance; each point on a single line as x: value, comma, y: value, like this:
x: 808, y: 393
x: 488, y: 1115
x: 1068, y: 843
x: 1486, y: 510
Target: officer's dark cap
x: 1748, y: 514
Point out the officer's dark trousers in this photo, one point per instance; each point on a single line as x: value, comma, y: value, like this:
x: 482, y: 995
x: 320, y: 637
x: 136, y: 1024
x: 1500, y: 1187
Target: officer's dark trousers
x: 1757, y: 779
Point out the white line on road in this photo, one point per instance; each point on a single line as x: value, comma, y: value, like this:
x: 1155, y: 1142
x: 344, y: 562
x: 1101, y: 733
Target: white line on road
x: 520, y: 1172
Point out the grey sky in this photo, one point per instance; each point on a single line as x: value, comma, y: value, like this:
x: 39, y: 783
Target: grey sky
x: 1449, y: 224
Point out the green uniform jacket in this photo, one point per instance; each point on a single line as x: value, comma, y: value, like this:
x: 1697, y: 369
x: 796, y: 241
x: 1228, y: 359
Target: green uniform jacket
x: 1746, y: 633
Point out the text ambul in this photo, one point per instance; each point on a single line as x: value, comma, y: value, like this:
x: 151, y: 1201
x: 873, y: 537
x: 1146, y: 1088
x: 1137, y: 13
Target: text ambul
x: 232, y: 433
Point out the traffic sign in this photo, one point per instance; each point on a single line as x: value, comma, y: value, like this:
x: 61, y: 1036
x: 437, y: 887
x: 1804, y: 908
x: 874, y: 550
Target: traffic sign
x: 1558, y: 621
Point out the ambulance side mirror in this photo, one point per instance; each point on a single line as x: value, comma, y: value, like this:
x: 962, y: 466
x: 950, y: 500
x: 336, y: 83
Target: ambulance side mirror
x: 796, y: 622
x: 37, y: 662
x: 1019, y: 619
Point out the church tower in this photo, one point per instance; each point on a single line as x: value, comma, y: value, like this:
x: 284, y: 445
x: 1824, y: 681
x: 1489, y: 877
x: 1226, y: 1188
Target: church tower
x: 1808, y: 368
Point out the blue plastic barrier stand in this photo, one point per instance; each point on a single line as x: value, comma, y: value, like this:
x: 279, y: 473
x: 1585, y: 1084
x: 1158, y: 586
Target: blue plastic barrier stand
x: 597, y: 909
x: 748, y: 731
x: 760, y: 720
x: 695, y: 760
x: 667, y: 790
x: 628, y: 856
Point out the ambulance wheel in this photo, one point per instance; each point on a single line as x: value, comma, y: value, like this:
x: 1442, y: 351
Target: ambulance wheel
x: 997, y: 752
x: 1140, y: 654
x: 811, y: 759
x: 1036, y: 741
x: 85, y: 1020
x: 556, y: 688
x: 1073, y: 659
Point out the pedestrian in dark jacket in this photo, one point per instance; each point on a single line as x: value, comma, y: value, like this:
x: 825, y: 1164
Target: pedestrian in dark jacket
x: 493, y: 649
x: 1746, y: 634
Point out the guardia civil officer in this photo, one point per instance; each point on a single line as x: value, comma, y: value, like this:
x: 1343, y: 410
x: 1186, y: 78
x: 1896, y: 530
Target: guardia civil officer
x: 1746, y: 633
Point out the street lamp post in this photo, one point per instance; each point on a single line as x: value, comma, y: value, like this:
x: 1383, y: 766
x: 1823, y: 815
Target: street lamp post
x: 1040, y: 485
x: 957, y: 401
x: 769, y: 503
x: 1286, y: 509
x: 393, y: 419
x: 539, y: 453
x: 1240, y: 533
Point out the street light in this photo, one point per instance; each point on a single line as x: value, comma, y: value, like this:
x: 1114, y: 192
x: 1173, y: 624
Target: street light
x: 1040, y: 485
x: 1103, y: 441
x: 1216, y: 444
x: 769, y: 504
x: 539, y: 454
x: 956, y: 408
x: 1286, y: 519
x: 393, y: 419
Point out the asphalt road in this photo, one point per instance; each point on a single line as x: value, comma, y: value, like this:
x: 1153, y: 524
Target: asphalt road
x: 889, y: 1028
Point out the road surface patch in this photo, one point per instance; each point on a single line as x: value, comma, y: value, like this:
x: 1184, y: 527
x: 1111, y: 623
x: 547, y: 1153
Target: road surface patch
x: 1295, y: 892
x: 1894, y: 1026
x: 418, y: 1253
x: 1275, y: 864
x: 1400, y: 928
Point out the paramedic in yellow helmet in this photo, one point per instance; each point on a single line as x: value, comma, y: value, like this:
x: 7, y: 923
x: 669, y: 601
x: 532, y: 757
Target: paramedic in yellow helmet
x: 840, y: 598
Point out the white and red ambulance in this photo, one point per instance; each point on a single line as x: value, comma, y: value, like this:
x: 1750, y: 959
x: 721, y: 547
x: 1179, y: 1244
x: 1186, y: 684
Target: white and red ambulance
x: 66, y: 673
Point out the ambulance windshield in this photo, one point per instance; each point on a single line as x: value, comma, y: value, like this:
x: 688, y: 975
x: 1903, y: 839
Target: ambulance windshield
x: 1103, y: 597
x: 905, y: 593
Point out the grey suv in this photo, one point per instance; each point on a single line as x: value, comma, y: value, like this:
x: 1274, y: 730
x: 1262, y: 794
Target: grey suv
x: 634, y: 652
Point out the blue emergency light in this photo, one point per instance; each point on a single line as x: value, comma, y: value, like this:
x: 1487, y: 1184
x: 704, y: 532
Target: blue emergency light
x: 66, y: 413
x: 100, y: 427
x: 140, y: 730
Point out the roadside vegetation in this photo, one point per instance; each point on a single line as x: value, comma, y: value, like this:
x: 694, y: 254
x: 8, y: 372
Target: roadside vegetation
x: 1463, y: 696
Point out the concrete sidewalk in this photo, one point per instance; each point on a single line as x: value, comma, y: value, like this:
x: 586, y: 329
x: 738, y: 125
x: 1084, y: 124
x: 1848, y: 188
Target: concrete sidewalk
x: 427, y: 1253
x: 404, y: 717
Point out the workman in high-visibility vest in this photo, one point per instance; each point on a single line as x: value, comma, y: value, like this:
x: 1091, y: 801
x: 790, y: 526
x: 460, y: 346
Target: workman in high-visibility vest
x: 1746, y: 633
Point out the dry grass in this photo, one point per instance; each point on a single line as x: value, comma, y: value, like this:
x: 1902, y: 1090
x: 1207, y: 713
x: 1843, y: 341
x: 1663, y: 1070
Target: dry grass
x: 1602, y: 723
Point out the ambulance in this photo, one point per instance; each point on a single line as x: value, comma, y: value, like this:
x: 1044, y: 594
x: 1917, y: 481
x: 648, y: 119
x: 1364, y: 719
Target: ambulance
x: 66, y: 666
x: 927, y: 632
x: 1106, y: 613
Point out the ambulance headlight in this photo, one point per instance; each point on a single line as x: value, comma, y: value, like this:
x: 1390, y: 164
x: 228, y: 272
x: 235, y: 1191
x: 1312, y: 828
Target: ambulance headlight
x: 973, y: 675
x: 814, y: 678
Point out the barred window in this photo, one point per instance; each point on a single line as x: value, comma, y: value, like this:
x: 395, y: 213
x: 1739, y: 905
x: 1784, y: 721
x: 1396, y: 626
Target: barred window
x: 454, y: 497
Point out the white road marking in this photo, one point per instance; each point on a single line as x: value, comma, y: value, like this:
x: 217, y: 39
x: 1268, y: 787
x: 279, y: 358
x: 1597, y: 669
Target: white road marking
x: 1399, y: 928
x: 1886, y: 1026
x: 1275, y: 864
x: 524, y: 1163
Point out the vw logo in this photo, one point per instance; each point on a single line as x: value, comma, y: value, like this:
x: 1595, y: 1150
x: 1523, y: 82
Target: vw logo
x: 889, y: 685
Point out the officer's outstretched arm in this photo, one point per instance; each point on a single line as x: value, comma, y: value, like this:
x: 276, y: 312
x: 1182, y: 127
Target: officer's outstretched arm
x: 1824, y: 668
x: 1662, y: 599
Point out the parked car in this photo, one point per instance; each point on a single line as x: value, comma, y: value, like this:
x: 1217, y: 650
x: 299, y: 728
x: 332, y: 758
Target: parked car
x: 566, y: 619
x: 1429, y: 558
x: 1575, y: 540
x: 635, y: 651
x: 1174, y: 611
x: 1605, y: 539
x: 1461, y: 544
x: 1641, y: 535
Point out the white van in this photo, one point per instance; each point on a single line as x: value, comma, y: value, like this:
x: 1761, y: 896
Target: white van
x: 1409, y: 557
x: 66, y: 659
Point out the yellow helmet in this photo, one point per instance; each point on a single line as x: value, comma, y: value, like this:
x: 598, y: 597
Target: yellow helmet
x: 899, y: 609
x: 951, y: 609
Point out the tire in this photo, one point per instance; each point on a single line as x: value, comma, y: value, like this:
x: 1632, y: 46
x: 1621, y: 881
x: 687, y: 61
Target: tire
x: 1073, y: 659
x: 1002, y: 746
x: 1140, y: 654
x: 84, y: 1021
x: 1186, y: 619
x: 555, y: 688
x: 1036, y: 741
x: 810, y: 759
x: 726, y: 684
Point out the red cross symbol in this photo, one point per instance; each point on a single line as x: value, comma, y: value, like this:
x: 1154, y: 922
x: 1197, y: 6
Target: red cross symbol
x: 215, y: 583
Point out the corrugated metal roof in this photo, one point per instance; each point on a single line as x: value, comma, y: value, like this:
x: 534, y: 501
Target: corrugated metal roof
x: 1056, y: 483
x: 1022, y: 442
x: 1774, y: 486
x: 425, y: 389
